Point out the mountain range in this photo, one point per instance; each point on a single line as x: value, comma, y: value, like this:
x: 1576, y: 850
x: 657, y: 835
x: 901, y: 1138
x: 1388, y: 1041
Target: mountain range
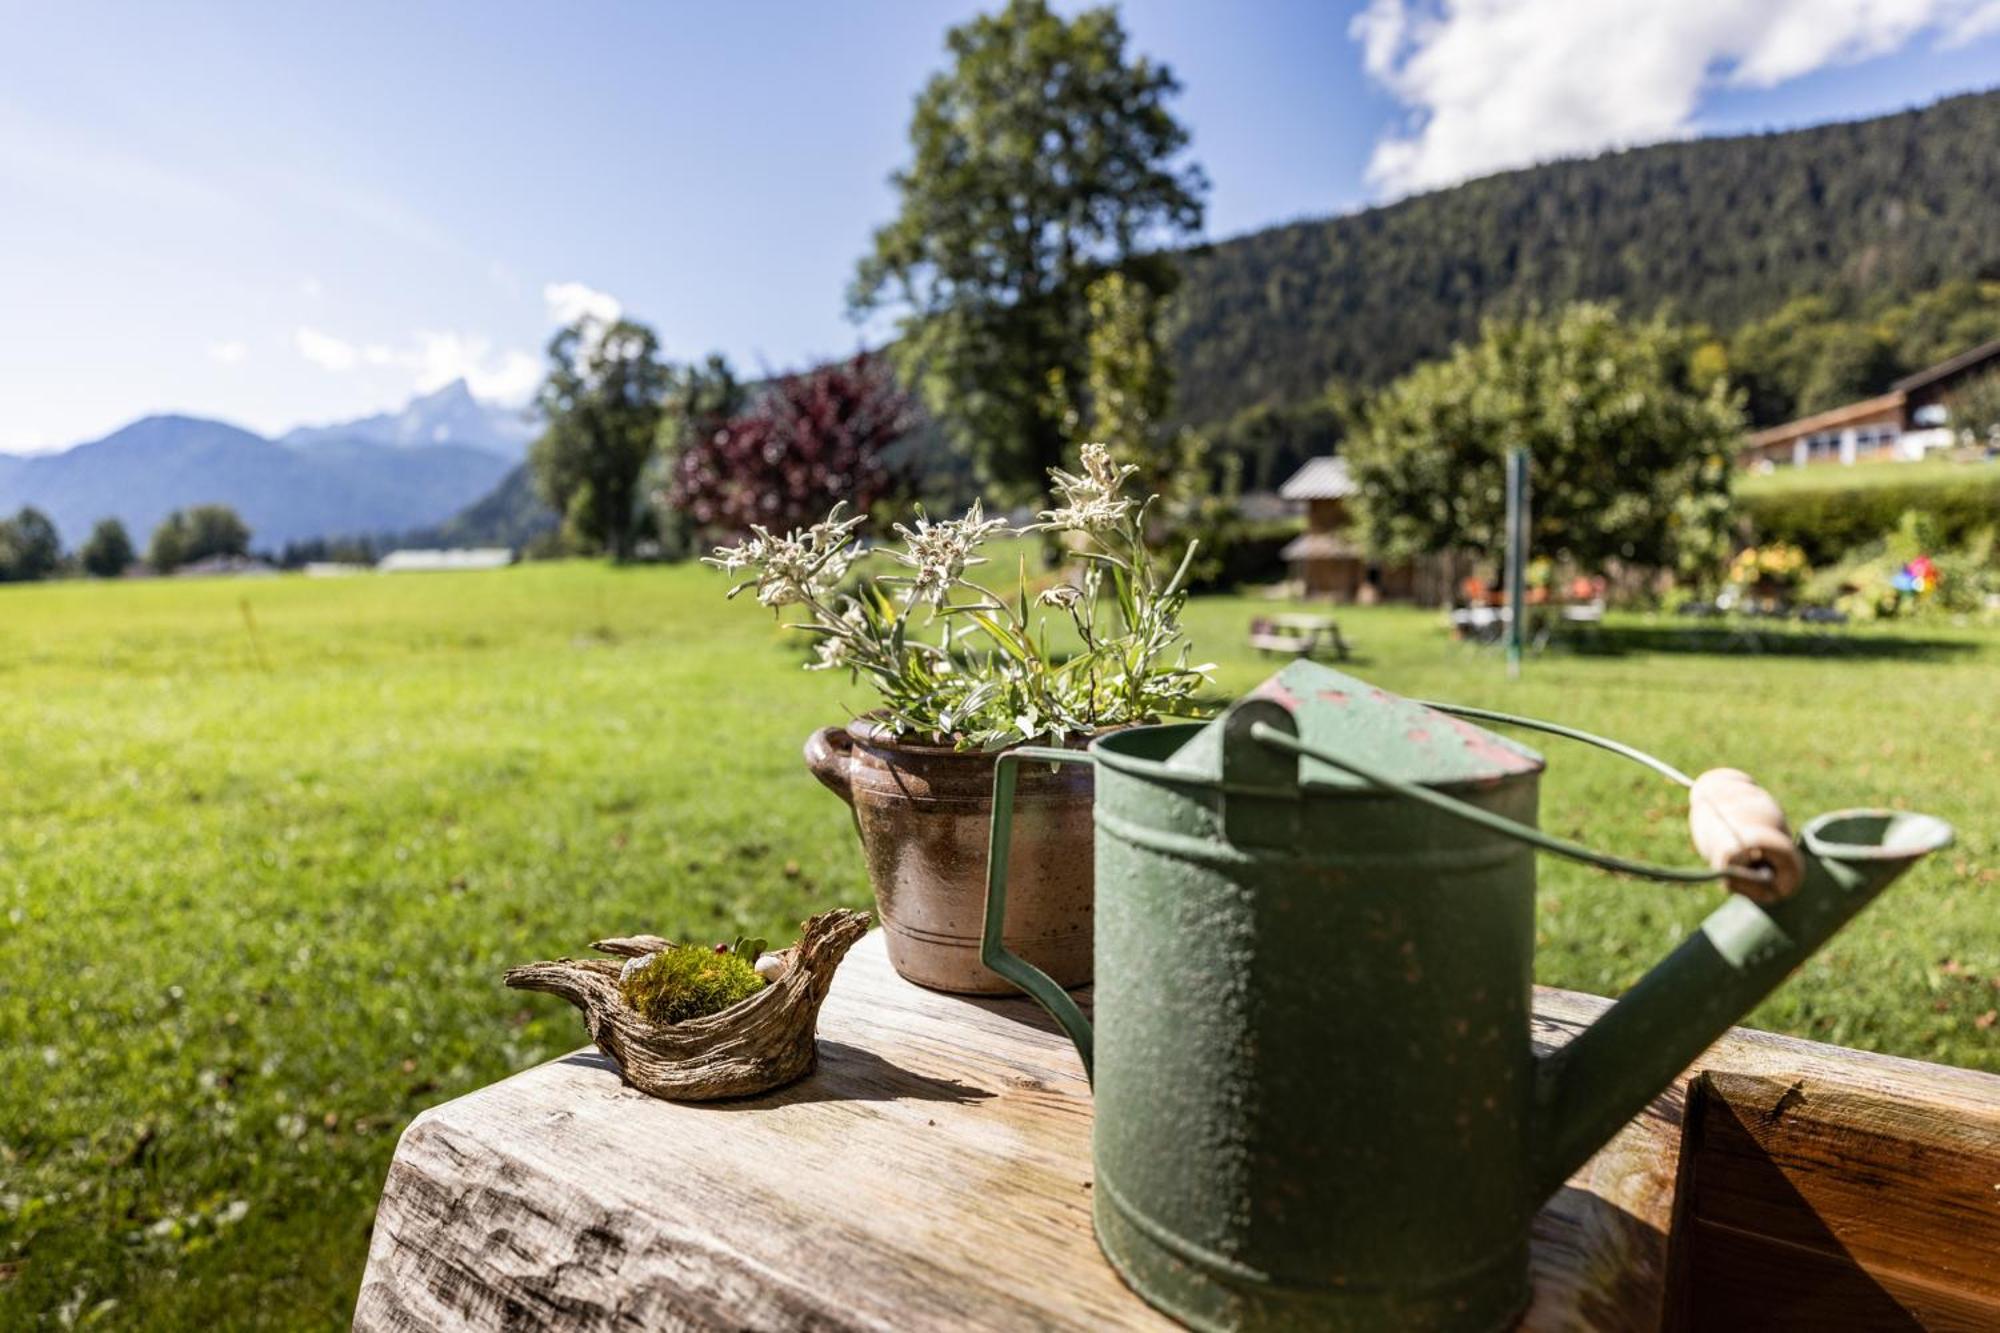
x: 386, y: 473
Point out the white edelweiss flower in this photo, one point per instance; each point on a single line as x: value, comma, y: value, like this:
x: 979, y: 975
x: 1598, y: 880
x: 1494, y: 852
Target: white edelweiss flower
x: 941, y: 552
x: 833, y: 568
x: 832, y: 650
x: 1090, y: 501
x: 1064, y: 595
x: 797, y: 567
x: 743, y: 555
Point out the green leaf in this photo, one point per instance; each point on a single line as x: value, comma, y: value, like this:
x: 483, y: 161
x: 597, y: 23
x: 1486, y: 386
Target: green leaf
x: 1002, y: 637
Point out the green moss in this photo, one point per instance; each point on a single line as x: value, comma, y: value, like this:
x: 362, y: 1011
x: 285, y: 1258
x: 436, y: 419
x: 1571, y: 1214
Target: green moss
x: 689, y: 983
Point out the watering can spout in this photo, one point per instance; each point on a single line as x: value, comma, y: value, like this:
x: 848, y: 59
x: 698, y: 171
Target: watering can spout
x: 1587, y: 1090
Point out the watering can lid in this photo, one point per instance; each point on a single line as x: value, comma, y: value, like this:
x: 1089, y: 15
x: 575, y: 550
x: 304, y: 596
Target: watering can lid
x: 1398, y: 737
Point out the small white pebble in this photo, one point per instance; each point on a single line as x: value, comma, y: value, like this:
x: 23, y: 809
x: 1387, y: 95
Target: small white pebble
x: 772, y: 967
x: 634, y: 964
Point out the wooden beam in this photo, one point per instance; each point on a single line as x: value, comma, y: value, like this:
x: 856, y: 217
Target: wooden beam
x: 1812, y: 1200
x: 934, y: 1173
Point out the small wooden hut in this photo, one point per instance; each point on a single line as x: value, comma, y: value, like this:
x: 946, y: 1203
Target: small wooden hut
x: 1327, y: 560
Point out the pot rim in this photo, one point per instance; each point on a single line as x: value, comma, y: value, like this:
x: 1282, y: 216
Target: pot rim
x: 865, y: 730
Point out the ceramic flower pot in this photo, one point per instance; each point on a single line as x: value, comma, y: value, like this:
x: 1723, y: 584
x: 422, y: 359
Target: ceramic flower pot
x: 924, y: 813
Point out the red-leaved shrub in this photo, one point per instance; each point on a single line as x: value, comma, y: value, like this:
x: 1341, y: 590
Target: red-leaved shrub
x: 809, y: 441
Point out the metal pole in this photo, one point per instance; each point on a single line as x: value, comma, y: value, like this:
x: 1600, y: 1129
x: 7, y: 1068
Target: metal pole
x: 1517, y: 557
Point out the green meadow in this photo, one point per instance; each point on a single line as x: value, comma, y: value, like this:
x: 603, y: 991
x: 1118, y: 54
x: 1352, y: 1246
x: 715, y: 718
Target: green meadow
x: 266, y: 847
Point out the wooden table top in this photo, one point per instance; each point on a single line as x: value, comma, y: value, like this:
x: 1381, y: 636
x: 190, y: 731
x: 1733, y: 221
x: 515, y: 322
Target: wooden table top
x: 934, y: 1173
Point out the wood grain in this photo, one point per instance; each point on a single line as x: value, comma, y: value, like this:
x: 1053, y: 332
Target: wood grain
x: 1809, y: 1203
x: 933, y: 1173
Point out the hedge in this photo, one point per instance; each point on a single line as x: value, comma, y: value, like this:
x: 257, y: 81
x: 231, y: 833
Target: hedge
x: 1829, y: 521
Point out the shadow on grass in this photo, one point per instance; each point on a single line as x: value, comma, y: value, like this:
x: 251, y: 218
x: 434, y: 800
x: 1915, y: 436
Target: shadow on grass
x: 1754, y: 641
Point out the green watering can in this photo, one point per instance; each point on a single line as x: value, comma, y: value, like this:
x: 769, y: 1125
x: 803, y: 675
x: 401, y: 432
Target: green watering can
x: 1318, y: 1106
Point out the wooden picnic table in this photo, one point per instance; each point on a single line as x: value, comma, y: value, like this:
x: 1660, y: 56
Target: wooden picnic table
x: 934, y: 1173
x: 1298, y: 633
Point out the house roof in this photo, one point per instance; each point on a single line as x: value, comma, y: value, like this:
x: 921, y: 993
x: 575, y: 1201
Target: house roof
x: 1320, y: 479
x: 1892, y: 401
x: 1945, y: 369
x: 1320, y: 546
x: 1838, y: 416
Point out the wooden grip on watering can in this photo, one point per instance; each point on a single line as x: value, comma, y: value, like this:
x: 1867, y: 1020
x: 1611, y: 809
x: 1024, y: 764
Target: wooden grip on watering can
x: 1737, y: 825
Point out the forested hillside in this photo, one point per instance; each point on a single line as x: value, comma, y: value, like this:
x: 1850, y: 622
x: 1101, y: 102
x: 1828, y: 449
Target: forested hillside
x: 1827, y: 261
x: 1722, y: 231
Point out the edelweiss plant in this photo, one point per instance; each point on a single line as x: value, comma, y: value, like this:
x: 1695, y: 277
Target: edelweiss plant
x: 955, y: 662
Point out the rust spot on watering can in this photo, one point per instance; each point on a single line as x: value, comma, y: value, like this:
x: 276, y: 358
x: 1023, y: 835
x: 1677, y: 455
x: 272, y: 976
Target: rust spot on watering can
x: 1489, y: 747
x: 1277, y: 691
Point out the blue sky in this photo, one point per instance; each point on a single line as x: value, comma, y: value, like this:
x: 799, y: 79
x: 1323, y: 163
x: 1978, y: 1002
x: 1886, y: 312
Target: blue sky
x: 278, y: 214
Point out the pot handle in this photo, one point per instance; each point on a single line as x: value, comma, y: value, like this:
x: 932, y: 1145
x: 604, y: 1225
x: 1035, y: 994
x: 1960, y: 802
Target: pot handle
x: 1040, y: 986
x: 829, y: 755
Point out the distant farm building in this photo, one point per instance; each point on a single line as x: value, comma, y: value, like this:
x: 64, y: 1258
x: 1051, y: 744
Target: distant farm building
x: 226, y: 567
x: 1906, y: 423
x: 418, y: 561
x: 1325, y: 559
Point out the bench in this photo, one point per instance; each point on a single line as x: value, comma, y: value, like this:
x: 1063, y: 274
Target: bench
x: 934, y: 1173
x: 1298, y: 636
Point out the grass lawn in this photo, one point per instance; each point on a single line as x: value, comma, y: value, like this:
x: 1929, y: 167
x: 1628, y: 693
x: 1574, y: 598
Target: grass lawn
x: 257, y: 885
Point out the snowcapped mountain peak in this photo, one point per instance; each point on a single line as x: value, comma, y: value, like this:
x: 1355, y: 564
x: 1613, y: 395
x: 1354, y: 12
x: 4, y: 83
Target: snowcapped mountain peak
x: 449, y: 414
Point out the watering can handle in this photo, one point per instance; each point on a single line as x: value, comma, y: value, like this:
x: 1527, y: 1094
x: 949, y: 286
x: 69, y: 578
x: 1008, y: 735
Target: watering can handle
x: 993, y: 950
x: 1723, y: 810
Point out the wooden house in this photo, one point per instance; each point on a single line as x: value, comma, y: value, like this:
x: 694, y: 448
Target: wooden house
x: 1906, y: 423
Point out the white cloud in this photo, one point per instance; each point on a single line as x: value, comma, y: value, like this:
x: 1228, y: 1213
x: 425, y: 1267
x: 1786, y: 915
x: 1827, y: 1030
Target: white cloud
x: 1493, y: 84
x: 434, y: 358
x: 571, y: 301
x: 230, y: 351
x: 507, y: 375
x: 1982, y: 21
x: 324, y: 350
x: 311, y: 288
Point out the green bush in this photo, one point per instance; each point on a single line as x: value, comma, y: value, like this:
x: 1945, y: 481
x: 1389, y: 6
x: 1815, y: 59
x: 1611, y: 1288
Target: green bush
x: 1831, y: 522
x: 1863, y: 583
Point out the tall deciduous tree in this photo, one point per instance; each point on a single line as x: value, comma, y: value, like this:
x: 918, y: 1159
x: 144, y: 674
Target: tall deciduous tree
x: 30, y: 548
x: 602, y: 401
x: 1629, y: 459
x: 1043, y: 157
x: 108, y: 550
x: 187, y: 535
x: 810, y: 441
